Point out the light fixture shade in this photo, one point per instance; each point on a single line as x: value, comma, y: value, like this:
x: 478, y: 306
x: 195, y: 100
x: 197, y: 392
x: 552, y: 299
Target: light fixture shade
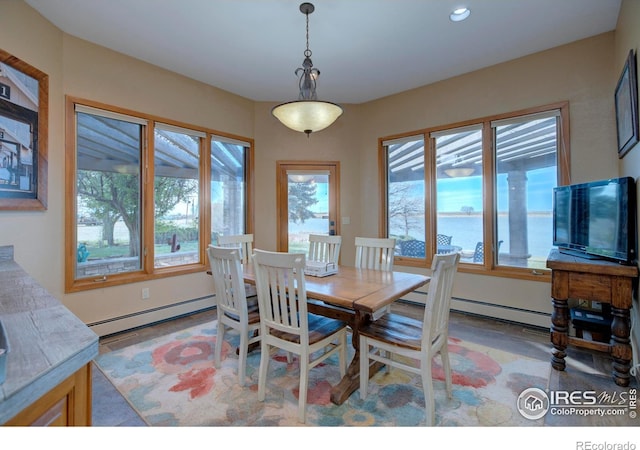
x: 455, y: 172
x: 307, y: 116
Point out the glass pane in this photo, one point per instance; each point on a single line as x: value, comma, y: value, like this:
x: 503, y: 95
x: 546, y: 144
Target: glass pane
x: 108, y: 196
x: 308, y: 202
x: 406, y: 196
x: 228, y: 189
x: 176, y: 229
x: 526, y: 162
x: 459, y: 209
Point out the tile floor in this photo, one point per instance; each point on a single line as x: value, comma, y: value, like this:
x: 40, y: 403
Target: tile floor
x: 586, y: 370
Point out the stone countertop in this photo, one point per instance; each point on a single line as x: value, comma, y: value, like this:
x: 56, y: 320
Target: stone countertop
x: 47, y: 342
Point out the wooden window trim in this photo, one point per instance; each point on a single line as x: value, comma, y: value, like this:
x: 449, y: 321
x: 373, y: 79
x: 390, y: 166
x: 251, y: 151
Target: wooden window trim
x: 148, y: 271
x: 488, y: 269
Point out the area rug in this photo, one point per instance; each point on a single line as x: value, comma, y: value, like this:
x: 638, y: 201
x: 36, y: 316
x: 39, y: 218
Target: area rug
x: 171, y: 381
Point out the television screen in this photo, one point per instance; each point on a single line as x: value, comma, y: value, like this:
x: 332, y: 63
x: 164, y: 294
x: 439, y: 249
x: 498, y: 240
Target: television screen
x: 596, y: 219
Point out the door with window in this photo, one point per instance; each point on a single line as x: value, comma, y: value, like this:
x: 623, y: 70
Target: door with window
x: 307, y: 202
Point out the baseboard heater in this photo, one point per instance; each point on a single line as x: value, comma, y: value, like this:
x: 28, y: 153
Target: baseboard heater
x: 490, y: 310
x: 151, y: 316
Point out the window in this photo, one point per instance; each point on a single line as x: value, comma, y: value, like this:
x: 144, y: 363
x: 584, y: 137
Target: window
x: 482, y: 188
x: 406, y: 194
x: 176, y: 195
x: 459, y: 196
x: 229, y: 166
x: 135, y: 187
x: 108, y: 187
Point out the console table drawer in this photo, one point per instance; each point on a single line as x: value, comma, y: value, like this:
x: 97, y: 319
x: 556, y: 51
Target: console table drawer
x: 587, y: 286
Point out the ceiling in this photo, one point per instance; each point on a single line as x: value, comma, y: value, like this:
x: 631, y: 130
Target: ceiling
x: 365, y: 49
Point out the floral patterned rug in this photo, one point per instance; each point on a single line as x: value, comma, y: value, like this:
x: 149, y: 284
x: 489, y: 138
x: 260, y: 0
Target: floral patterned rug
x: 171, y: 381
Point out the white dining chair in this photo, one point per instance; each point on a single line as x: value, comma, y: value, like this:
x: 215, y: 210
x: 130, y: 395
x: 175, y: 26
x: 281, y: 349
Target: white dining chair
x: 286, y: 324
x: 416, y: 341
x: 324, y: 248
x: 375, y: 253
x: 243, y: 241
x: 234, y: 309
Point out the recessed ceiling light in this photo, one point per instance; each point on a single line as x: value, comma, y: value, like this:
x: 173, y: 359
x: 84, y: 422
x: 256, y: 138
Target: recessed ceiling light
x: 459, y: 14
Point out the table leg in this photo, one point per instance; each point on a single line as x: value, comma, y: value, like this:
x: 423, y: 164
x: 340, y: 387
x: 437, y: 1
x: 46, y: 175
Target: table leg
x: 559, y: 332
x: 351, y: 381
x: 621, y: 345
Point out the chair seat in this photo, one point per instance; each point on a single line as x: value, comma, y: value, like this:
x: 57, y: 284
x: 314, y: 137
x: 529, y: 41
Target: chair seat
x: 254, y: 316
x: 397, y: 330
x: 319, y: 328
x: 251, y: 291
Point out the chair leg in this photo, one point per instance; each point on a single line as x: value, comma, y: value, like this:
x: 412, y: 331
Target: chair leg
x: 364, y: 366
x: 427, y: 388
x: 242, y: 357
x: 304, y: 386
x: 262, y: 371
x: 219, y: 342
x: 446, y: 365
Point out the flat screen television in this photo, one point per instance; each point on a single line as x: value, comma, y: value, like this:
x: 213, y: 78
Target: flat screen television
x: 596, y: 219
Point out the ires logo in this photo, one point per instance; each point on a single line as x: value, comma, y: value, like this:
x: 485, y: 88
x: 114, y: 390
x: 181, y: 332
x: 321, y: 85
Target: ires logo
x: 534, y: 403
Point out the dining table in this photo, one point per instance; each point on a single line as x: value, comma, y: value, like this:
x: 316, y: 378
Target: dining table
x: 353, y: 295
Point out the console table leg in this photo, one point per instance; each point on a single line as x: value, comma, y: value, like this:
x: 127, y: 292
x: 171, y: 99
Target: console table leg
x: 559, y: 333
x: 621, y: 345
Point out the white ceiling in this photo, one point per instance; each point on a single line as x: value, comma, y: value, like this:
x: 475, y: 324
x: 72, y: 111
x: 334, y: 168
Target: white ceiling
x: 365, y: 49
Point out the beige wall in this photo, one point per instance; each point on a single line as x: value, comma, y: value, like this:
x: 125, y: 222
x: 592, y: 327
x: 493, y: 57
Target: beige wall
x: 582, y: 73
x: 578, y: 73
x: 81, y: 69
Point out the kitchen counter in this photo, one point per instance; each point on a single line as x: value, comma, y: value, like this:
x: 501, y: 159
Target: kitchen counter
x: 48, y: 366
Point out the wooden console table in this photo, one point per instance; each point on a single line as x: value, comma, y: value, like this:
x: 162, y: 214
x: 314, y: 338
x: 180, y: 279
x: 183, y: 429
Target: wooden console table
x: 600, y: 281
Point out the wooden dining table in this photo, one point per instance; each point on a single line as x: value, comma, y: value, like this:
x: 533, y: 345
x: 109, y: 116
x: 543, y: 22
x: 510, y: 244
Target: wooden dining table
x: 353, y: 295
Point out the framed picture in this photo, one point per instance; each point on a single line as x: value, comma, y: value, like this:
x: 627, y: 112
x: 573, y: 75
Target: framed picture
x: 626, y: 98
x: 24, y: 110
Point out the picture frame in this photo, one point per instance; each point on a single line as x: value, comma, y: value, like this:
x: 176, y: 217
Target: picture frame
x: 626, y: 102
x: 24, y: 112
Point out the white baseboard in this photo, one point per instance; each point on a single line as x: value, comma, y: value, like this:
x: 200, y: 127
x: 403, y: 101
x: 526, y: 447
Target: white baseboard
x: 490, y: 310
x: 143, y: 318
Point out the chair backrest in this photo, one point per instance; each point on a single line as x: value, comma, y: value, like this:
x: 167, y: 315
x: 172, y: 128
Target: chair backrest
x: 443, y: 239
x: 438, y: 303
x: 375, y: 253
x: 282, y: 294
x: 478, y: 254
x: 228, y: 280
x: 324, y: 248
x: 412, y: 247
x: 243, y: 241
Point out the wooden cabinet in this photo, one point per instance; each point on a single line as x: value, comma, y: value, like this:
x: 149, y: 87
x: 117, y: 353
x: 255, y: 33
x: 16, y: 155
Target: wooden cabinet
x: 596, y: 280
x: 67, y: 404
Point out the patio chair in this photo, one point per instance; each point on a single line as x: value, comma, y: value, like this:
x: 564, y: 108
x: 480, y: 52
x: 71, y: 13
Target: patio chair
x: 478, y: 254
x: 412, y: 248
x: 443, y: 239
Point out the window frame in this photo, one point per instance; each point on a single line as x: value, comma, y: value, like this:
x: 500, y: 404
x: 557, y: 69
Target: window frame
x: 147, y: 271
x: 488, y: 185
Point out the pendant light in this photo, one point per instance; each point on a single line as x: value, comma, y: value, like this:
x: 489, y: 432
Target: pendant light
x: 459, y: 169
x: 307, y: 114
